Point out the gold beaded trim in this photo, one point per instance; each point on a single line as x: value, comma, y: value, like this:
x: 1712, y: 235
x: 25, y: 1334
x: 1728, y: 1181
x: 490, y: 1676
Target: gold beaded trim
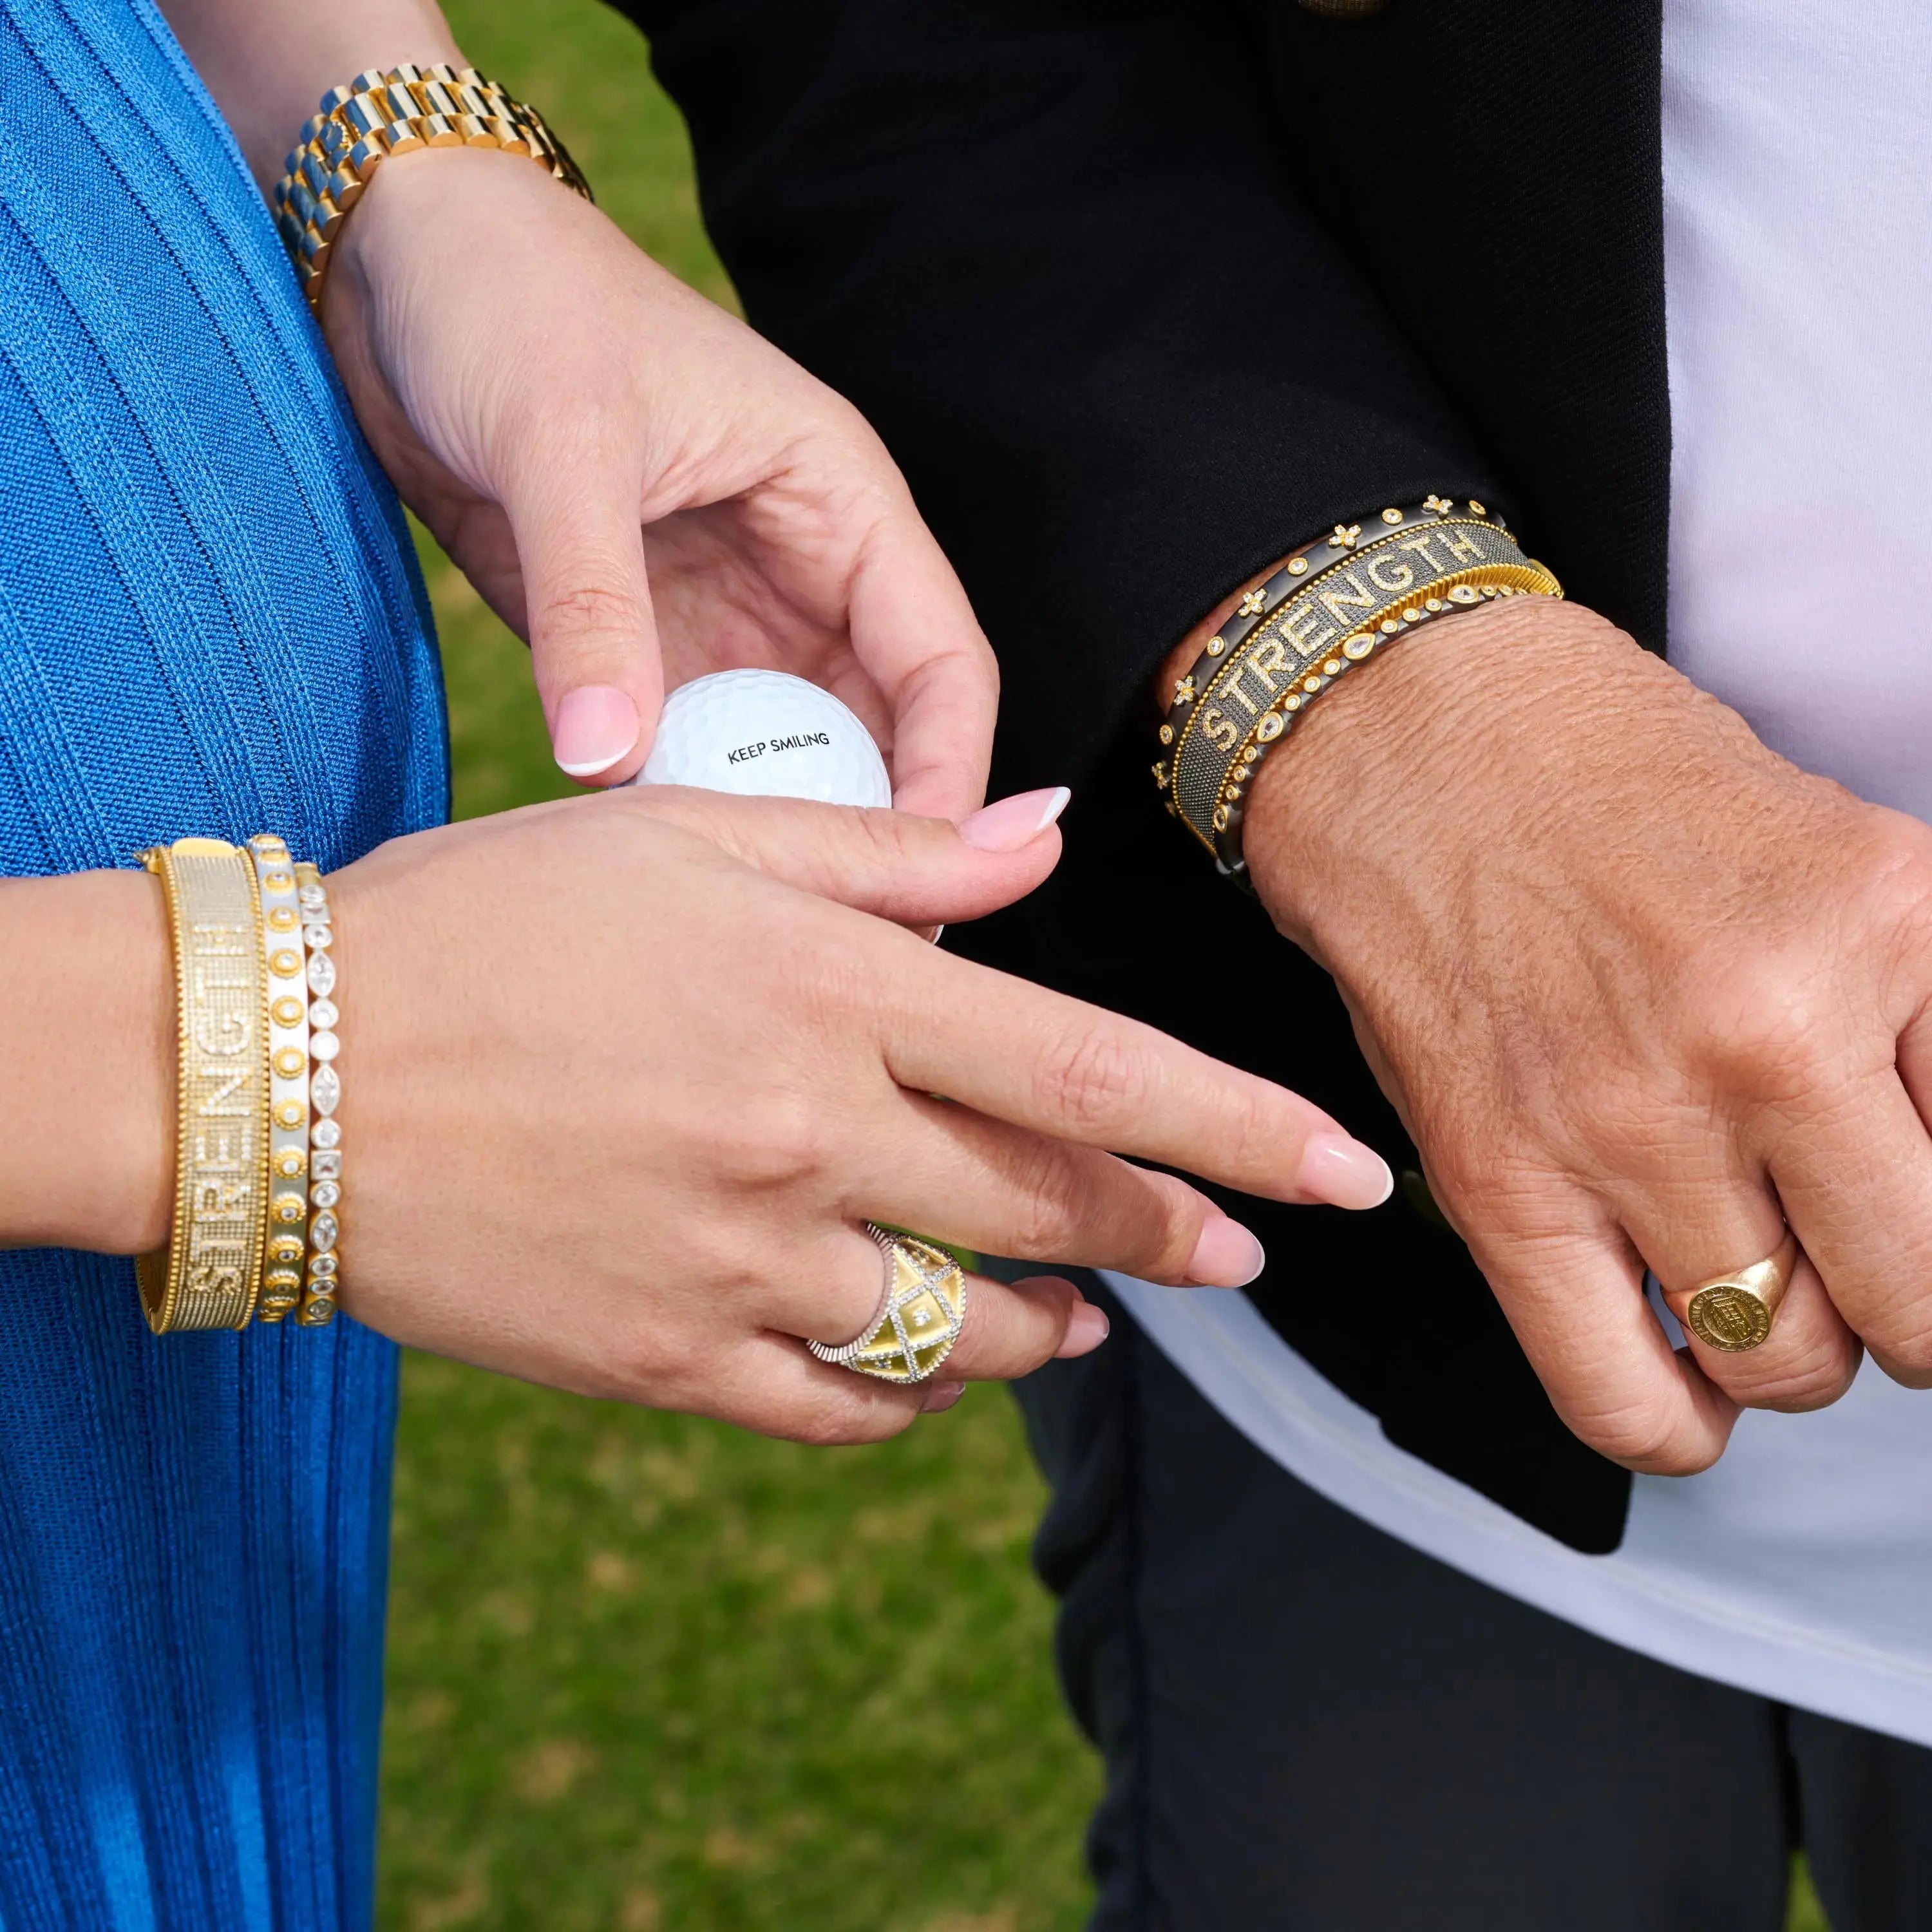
x: 210, y: 1273
x: 393, y: 112
x: 1300, y: 580
x: 1329, y: 606
x: 288, y: 1088
x: 1468, y: 590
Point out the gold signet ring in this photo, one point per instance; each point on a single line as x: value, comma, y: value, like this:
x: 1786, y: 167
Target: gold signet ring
x: 1733, y: 1312
x: 920, y: 1315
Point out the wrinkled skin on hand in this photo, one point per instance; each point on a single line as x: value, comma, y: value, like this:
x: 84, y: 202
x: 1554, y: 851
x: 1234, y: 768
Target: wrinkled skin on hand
x: 1639, y: 987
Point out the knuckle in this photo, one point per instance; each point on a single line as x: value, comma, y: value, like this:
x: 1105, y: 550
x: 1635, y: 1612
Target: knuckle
x: 1645, y: 1439
x: 1175, y: 1233
x: 1907, y: 1358
x: 1090, y: 1077
x: 888, y: 838
x: 1896, y: 866
x: 1051, y: 1203
x: 1767, y: 1025
x: 843, y: 1420
x: 1795, y: 1388
x: 593, y: 610
x: 773, y: 1141
x: 642, y: 1367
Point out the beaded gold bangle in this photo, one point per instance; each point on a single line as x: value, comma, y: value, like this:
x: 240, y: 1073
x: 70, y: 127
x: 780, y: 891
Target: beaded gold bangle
x: 210, y: 1273
x: 284, y: 1244
x: 1329, y: 607
x: 325, y: 1096
x: 390, y: 112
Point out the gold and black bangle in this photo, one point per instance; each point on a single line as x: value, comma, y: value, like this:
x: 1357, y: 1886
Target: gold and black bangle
x: 384, y: 113
x: 1327, y: 608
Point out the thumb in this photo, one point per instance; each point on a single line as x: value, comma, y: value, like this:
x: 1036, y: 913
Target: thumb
x: 587, y: 609
x: 913, y: 871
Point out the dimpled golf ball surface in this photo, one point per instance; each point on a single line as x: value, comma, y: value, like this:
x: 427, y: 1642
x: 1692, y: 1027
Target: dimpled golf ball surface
x: 767, y: 734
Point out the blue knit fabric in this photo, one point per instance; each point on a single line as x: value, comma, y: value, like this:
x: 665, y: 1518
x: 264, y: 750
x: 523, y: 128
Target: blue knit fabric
x: 210, y: 622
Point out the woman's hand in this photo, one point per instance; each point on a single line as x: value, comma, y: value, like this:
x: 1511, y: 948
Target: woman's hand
x: 624, y: 1078
x: 643, y: 487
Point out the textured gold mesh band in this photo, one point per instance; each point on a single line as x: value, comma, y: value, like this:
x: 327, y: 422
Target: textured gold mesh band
x: 379, y: 115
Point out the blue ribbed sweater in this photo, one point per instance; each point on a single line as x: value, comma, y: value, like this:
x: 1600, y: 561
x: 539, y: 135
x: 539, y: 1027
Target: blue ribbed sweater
x: 210, y: 622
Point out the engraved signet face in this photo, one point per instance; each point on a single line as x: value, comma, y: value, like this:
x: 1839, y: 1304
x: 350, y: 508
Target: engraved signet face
x: 1729, y: 1319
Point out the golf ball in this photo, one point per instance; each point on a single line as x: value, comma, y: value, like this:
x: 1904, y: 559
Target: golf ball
x: 768, y: 734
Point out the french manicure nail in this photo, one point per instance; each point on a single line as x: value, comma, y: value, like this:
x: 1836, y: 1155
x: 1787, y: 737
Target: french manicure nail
x: 596, y: 725
x: 1087, y: 1328
x: 1343, y: 1172
x: 939, y: 1397
x: 1014, y: 822
x: 1226, y: 1256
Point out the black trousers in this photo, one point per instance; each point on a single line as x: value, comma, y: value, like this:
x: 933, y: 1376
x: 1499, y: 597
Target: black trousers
x: 1308, y: 1726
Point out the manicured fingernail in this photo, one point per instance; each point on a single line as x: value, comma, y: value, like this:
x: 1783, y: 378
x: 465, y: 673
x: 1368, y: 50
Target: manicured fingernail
x: 596, y: 725
x: 1015, y: 821
x: 1087, y: 1328
x: 940, y: 1395
x: 1343, y: 1172
x: 1226, y: 1256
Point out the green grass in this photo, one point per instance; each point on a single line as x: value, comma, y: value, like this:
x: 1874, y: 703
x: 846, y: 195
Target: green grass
x: 646, y: 1671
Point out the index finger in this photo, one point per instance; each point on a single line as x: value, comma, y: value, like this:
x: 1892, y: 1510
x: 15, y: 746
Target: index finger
x: 1015, y: 1050
x: 914, y: 630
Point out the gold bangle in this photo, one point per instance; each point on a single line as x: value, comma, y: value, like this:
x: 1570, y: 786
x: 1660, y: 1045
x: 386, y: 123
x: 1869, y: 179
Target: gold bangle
x: 209, y: 1275
x: 1326, y: 610
x: 284, y: 1243
x: 391, y: 112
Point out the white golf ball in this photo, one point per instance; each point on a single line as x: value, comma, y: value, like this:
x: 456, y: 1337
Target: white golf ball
x: 765, y: 733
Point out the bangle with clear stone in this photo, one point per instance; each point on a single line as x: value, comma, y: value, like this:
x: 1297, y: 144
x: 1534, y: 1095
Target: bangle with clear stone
x: 317, y: 1308
x: 284, y: 1243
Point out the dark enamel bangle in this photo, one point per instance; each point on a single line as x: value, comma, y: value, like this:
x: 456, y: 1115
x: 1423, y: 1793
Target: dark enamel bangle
x: 1327, y: 608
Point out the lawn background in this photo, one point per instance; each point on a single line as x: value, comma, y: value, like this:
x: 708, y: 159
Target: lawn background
x: 647, y: 1672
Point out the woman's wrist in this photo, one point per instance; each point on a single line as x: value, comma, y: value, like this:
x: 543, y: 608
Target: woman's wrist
x: 87, y: 1076
x: 267, y: 62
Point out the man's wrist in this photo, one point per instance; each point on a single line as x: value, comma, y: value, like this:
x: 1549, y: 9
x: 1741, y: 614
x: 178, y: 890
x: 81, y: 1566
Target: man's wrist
x: 1386, y: 761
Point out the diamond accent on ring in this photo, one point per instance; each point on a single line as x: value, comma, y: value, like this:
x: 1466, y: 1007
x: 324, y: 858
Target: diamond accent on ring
x: 922, y: 1316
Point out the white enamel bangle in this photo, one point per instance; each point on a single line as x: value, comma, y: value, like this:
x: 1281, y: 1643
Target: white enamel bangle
x: 324, y: 1094
x: 287, y: 1211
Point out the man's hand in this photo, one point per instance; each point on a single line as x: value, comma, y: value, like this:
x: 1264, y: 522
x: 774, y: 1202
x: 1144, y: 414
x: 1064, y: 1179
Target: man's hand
x: 642, y: 487
x: 1639, y: 988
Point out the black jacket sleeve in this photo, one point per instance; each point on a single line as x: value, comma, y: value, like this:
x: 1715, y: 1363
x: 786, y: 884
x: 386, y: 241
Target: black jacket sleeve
x: 1142, y: 293
x: 1050, y: 248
